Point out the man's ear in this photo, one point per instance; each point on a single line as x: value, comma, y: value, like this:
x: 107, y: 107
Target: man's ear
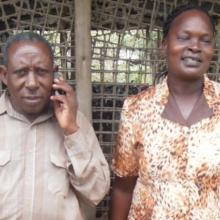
x: 3, y: 74
x: 57, y: 74
x: 55, y: 68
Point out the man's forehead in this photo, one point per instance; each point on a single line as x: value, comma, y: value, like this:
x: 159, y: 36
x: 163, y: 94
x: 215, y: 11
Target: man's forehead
x: 28, y: 46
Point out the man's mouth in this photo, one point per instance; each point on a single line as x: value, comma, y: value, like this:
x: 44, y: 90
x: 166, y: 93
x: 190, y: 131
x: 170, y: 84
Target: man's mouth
x: 32, y: 99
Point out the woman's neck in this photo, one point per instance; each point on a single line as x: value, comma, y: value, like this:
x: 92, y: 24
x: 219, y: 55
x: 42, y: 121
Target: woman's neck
x: 185, y: 94
x: 179, y: 87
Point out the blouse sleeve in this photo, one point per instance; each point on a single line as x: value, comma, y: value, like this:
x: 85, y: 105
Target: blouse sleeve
x: 125, y: 162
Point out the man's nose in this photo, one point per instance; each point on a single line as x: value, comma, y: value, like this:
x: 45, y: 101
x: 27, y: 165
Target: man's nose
x: 32, y: 81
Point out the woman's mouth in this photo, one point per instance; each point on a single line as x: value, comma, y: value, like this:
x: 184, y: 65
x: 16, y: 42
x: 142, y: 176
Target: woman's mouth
x: 191, y: 61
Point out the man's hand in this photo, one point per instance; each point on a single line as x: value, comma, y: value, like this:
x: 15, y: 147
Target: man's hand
x: 65, y: 106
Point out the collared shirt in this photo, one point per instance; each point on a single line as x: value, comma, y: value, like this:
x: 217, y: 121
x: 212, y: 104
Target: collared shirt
x: 177, y: 164
x: 45, y: 175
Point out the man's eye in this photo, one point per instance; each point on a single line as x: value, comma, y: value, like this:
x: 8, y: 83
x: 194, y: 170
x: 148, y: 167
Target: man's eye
x: 21, y: 72
x: 41, y: 72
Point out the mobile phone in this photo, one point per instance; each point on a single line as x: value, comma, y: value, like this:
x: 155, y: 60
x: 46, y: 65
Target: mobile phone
x: 57, y: 75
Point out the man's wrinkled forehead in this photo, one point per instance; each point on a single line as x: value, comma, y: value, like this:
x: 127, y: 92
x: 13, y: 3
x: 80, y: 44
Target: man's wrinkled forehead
x: 26, y: 43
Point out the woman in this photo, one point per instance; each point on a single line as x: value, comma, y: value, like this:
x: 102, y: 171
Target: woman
x: 167, y: 156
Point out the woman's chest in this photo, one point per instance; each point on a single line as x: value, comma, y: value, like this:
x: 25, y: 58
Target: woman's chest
x: 172, y: 152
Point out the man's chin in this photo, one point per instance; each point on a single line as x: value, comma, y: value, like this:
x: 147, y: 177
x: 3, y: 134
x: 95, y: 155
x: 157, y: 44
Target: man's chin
x: 33, y: 113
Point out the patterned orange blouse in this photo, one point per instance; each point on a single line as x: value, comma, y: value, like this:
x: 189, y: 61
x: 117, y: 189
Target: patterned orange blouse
x: 178, y: 167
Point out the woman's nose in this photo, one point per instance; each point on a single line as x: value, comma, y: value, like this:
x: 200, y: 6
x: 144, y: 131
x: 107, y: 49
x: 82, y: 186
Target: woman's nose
x: 195, y: 45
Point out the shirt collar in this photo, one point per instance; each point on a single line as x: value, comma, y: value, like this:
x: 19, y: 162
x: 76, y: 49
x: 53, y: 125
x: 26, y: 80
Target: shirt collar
x: 210, y: 92
x: 3, y: 105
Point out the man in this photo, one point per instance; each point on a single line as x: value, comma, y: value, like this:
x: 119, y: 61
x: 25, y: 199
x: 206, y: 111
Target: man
x: 50, y: 159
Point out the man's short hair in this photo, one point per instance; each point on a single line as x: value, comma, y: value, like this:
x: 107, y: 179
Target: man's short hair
x: 25, y: 36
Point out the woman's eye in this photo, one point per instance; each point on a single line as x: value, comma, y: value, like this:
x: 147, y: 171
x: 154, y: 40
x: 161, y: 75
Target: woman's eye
x: 183, y: 37
x: 206, y: 40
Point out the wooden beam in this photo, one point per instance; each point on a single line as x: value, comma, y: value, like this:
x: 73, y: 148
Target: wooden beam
x: 83, y: 55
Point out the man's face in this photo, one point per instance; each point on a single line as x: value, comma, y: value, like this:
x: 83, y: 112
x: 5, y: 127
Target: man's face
x: 29, y: 77
x: 189, y: 45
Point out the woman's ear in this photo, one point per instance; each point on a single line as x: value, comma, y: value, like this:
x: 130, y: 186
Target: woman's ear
x: 163, y: 48
x: 3, y: 74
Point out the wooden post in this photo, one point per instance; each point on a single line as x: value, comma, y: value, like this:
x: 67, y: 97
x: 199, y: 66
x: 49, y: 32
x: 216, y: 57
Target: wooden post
x: 83, y: 55
x: 83, y: 69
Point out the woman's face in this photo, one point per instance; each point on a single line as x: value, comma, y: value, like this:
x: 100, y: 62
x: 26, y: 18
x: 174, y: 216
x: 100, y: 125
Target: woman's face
x: 189, y: 45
